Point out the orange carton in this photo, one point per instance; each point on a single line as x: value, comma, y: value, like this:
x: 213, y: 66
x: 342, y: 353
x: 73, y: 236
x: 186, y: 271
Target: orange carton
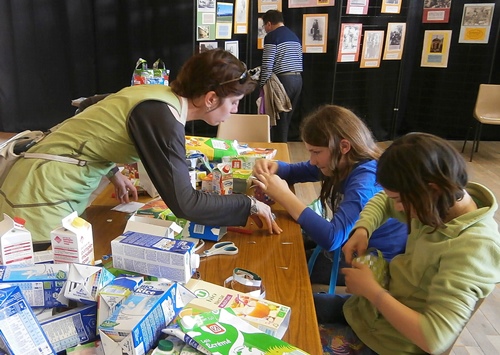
x: 222, y: 180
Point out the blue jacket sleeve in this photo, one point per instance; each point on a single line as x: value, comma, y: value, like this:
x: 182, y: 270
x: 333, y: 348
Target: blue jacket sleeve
x: 298, y: 172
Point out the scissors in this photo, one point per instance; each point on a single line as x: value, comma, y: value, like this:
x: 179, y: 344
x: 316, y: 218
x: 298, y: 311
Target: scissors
x: 221, y: 248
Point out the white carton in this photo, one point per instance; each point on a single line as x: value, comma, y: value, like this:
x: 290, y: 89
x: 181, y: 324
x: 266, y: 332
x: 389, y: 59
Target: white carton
x: 20, y: 331
x: 16, y: 245
x: 39, y: 283
x: 114, y: 293
x: 151, y: 255
x: 153, y: 226
x: 85, y: 281
x: 135, y: 326
x: 73, y: 241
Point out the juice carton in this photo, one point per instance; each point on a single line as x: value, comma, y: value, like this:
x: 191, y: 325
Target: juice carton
x: 73, y: 241
x: 222, y: 180
x: 16, y: 246
x: 85, y: 281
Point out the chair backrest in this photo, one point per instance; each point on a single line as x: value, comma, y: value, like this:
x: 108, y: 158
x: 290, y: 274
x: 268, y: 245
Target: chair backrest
x: 487, y: 102
x: 245, y: 128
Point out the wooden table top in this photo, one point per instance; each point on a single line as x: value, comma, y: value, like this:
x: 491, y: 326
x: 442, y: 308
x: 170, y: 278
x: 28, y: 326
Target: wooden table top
x: 278, y: 259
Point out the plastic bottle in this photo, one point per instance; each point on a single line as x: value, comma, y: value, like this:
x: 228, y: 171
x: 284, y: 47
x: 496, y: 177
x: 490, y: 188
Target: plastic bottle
x: 165, y: 347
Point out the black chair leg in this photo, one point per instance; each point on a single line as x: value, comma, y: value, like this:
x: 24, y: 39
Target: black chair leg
x: 466, y: 138
x: 475, y: 144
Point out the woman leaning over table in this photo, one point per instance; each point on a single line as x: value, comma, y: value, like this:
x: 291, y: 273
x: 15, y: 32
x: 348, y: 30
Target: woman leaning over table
x: 452, y: 257
x: 343, y: 156
x: 145, y: 122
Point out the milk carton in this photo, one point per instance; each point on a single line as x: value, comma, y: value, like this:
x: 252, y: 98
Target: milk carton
x: 135, y: 326
x: 222, y: 179
x: 73, y: 241
x: 16, y: 246
x: 85, y: 281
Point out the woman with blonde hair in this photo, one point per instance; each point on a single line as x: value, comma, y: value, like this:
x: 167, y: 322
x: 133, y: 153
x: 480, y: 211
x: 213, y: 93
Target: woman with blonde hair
x: 343, y: 156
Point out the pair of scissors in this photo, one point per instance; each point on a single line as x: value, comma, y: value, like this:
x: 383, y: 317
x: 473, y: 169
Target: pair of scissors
x: 221, y: 248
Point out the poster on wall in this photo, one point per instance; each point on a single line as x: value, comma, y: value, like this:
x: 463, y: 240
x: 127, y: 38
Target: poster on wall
x: 350, y: 39
x: 436, y: 48
x: 232, y: 46
x: 391, y: 6
x: 224, y: 20
x: 436, y: 11
x: 261, y: 33
x: 310, y: 3
x: 372, y: 49
x: 205, y: 20
x: 265, y: 5
x: 476, y: 23
x: 241, y: 16
x: 314, y: 33
x: 206, y: 46
x: 357, y: 7
x: 394, y: 41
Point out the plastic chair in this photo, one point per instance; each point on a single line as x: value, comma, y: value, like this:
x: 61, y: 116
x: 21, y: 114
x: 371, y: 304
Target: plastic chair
x: 335, y: 267
x: 486, y: 111
x: 245, y: 128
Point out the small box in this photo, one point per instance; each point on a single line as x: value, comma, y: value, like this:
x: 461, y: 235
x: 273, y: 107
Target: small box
x: 222, y: 180
x: 151, y: 255
x: 153, y: 226
x: 200, y: 231
x: 16, y: 245
x: 114, y: 293
x: 270, y: 317
x: 71, y: 327
x: 40, y: 283
x: 73, y: 241
x: 135, y: 326
x: 85, y: 281
x: 20, y: 331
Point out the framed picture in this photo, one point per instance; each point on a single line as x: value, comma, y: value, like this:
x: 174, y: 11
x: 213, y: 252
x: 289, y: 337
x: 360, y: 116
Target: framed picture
x: 314, y: 33
x: 436, y: 11
x: 241, y: 16
x: 436, y: 48
x: 357, y: 7
x: 350, y: 39
x: 310, y: 3
x: 394, y: 42
x: 266, y: 5
x: 391, y: 6
x: 206, y: 46
x: 261, y: 33
x: 224, y: 20
x: 476, y: 23
x: 372, y: 49
x: 232, y: 46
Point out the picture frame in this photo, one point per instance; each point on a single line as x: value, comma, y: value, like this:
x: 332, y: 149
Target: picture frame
x: 241, y: 16
x: 350, y: 40
x: 314, y: 33
x: 394, y: 41
x: 233, y: 47
x: 206, y: 46
x: 309, y: 3
x: 372, y: 49
x: 391, y: 6
x: 436, y: 48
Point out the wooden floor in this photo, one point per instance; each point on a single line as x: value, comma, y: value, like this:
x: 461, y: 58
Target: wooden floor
x: 482, y: 333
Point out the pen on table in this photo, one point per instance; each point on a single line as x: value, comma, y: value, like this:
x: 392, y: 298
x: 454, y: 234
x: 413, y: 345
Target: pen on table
x: 239, y: 230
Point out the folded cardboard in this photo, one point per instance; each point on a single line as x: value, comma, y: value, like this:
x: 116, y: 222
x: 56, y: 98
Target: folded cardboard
x: 135, y: 326
x: 151, y: 255
x: 153, y: 226
x: 214, y: 149
x: 201, y: 231
x: 73, y: 241
x: 85, y: 281
x: 248, y: 159
x: 269, y: 317
x: 222, y: 332
x: 20, y: 331
x: 71, y: 327
x: 16, y: 245
x: 41, y: 284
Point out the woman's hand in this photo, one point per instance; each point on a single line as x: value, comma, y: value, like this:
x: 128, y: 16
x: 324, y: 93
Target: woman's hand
x: 123, y: 186
x: 264, y: 213
x: 265, y: 166
x: 356, y: 245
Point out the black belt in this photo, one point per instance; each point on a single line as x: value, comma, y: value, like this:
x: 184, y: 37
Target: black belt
x: 291, y: 73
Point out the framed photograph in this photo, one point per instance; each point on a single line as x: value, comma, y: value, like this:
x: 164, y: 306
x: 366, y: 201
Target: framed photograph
x: 436, y: 48
x: 206, y: 46
x: 394, y: 41
x: 241, y: 16
x: 391, y: 6
x: 357, y: 7
x: 436, y: 11
x: 310, y: 3
x: 232, y: 46
x: 224, y: 20
x: 372, y: 49
x: 205, y: 6
x: 205, y: 26
x: 265, y: 5
x: 314, y: 33
x: 350, y: 39
x: 476, y: 23
x: 261, y: 33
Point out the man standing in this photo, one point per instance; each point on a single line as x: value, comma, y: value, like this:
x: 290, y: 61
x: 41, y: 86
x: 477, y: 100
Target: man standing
x: 282, y: 56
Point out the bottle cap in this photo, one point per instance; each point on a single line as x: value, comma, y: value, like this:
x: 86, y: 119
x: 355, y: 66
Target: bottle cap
x: 78, y: 222
x: 165, y: 345
x: 20, y: 221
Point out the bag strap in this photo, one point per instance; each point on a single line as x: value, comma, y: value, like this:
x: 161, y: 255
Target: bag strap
x: 53, y: 157
x: 156, y: 65
x: 143, y: 63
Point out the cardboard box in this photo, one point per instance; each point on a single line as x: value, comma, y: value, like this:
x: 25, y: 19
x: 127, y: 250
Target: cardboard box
x: 269, y: 317
x: 153, y: 226
x: 135, y: 326
x: 73, y: 241
x: 41, y: 284
x: 213, y: 149
x: 114, y: 293
x: 222, y: 180
x: 16, y: 245
x: 71, y: 327
x: 200, y: 231
x: 20, y: 331
x: 151, y: 255
x: 222, y: 332
x: 85, y: 281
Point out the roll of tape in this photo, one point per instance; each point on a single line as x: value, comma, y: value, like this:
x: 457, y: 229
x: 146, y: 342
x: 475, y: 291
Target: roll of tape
x: 247, y: 282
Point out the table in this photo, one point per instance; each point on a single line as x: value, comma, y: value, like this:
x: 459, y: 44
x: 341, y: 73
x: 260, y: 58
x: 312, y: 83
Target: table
x: 278, y: 259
